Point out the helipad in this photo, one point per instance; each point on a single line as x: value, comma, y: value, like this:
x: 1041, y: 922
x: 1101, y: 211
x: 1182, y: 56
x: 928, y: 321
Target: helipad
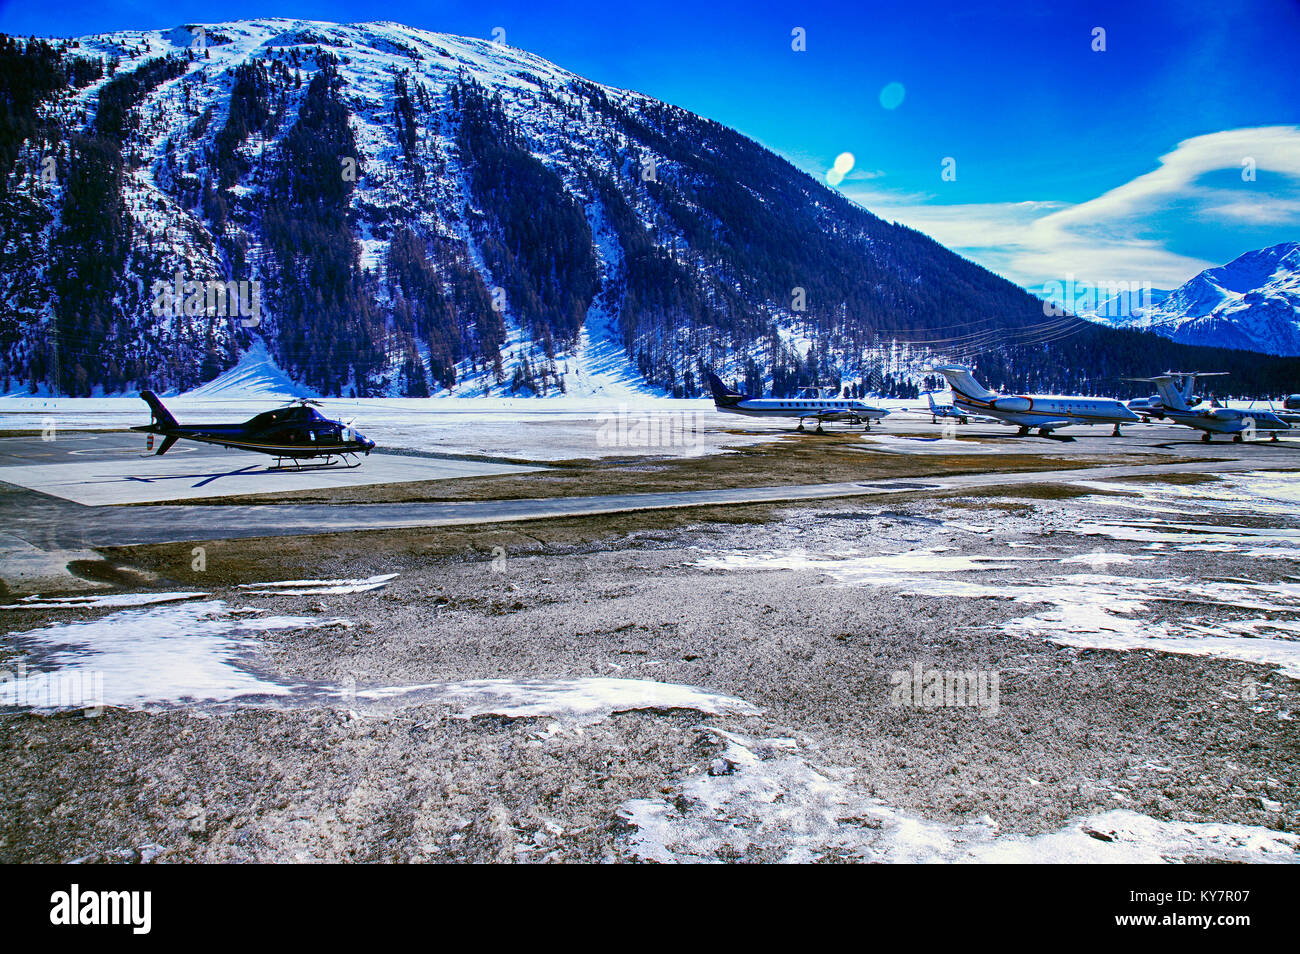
x: 107, y: 469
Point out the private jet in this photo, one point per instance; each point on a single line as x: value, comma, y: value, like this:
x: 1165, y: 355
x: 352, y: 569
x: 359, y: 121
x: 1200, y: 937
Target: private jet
x: 819, y: 409
x: 1154, y: 405
x: 1044, y: 412
x: 1176, y: 386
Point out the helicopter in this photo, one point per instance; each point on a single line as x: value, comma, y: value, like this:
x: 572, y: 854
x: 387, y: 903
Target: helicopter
x: 293, y: 432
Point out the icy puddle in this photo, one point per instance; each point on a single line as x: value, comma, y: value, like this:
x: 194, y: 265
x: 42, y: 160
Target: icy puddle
x: 761, y: 801
x: 201, y: 653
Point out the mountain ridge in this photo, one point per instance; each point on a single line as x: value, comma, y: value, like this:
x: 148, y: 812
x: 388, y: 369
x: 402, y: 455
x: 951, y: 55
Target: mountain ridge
x: 1250, y: 303
x: 508, y: 227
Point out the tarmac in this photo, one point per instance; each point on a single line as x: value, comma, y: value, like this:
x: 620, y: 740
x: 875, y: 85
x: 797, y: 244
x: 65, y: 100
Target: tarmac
x: 98, y: 470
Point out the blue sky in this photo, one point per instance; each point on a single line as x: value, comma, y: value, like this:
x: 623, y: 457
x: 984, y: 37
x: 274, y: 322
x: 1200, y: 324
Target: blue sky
x: 1122, y: 164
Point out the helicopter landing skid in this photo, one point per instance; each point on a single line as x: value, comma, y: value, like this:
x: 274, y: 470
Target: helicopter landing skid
x: 344, y: 461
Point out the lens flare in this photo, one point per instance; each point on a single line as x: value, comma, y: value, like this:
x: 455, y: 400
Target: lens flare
x: 891, y: 97
x: 843, y: 164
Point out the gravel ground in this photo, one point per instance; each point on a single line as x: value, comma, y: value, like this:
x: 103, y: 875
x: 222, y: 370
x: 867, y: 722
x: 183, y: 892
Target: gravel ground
x: 1077, y: 732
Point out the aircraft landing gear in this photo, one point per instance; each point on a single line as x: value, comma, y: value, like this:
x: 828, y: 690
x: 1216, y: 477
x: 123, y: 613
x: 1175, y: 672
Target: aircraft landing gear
x: 1023, y: 432
x: 800, y: 427
x: 1273, y: 439
x: 344, y: 459
x: 1206, y: 437
x: 1115, y: 432
x: 1044, y: 432
x: 1236, y: 438
x: 819, y: 430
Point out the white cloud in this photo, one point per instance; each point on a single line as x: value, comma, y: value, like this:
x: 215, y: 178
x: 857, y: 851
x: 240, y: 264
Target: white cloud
x: 1119, y: 235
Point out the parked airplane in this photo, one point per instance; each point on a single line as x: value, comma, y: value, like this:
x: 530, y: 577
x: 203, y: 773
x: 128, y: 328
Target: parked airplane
x: 1046, y: 412
x: 1154, y: 405
x: 1208, y: 418
x: 819, y: 409
x: 1290, y: 409
x: 295, y: 432
x: 1147, y: 407
x: 944, y: 410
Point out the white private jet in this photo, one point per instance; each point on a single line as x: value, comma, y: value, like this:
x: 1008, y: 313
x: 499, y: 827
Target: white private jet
x: 1045, y: 412
x: 818, y: 409
x: 1175, y: 388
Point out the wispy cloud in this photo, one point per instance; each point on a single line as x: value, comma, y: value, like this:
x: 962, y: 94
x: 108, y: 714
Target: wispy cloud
x: 1226, y: 180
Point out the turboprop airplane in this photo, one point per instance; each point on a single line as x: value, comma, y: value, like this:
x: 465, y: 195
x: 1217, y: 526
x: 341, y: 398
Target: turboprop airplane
x: 818, y: 409
x: 294, y: 432
x: 1046, y: 412
x: 1208, y: 418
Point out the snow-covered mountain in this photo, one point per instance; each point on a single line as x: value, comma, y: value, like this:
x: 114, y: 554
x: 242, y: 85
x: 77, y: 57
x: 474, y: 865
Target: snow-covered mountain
x: 404, y: 212
x: 1252, y: 303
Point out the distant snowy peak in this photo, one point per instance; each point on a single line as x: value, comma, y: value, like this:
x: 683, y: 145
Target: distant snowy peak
x: 1251, y: 303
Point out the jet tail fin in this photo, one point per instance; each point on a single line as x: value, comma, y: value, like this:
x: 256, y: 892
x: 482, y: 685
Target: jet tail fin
x: 161, y: 416
x: 723, y: 396
x: 1170, y: 395
x: 963, y: 383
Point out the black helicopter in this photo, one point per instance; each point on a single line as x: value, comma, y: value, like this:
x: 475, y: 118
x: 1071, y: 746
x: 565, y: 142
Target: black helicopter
x: 295, y: 432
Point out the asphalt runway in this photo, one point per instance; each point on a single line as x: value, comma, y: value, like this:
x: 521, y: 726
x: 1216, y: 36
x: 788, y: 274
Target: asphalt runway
x: 54, y: 524
x: 53, y: 494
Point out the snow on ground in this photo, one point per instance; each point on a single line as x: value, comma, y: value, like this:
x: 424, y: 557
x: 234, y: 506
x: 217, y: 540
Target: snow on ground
x: 142, y: 658
x: 318, y: 587
x: 105, y: 601
x: 1087, y: 610
x: 761, y: 800
x: 581, y: 700
x: 1252, y: 621
x: 202, y: 653
x: 255, y: 376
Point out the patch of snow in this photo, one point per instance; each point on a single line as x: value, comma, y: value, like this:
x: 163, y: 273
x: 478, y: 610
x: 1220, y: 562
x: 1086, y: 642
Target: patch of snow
x: 160, y: 656
x: 314, y: 587
x: 98, y: 601
x: 768, y: 803
x: 583, y: 700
